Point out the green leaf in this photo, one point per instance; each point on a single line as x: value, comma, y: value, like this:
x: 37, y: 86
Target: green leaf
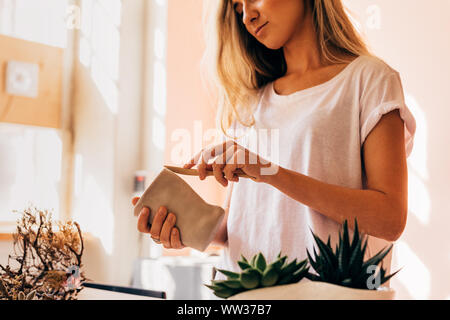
x: 300, y: 274
x: 356, y: 260
x: 282, y: 262
x: 385, y: 279
x: 277, y: 264
x: 376, y: 259
x: 290, y: 268
x: 250, y: 278
x: 229, y: 274
x: 270, y: 277
x: 212, y: 287
x: 303, y: 262
x: 224, y: 293
x: 344, y: 250
x: 326, y: 252
x: 286, y: 279
x: 233, y: 284
x: 253, y: 262
x: 347, y: 282
x: 244, y: 265
x: 356, y: 237
x: 260, y: 262
x: 312, y: 262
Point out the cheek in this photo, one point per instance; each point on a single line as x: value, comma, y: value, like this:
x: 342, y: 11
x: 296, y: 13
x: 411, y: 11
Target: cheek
x: 284, y: 17
x: 276, y: 37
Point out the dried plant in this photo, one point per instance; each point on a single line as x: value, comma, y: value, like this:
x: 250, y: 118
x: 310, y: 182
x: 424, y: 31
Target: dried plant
x: 46, y: 264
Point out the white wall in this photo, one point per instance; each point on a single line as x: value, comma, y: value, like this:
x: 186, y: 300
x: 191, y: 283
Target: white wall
x: 413, y: 37
x: 107, y: 108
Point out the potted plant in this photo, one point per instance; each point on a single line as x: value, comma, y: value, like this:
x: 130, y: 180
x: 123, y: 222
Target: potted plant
x: 258, y: 274
x: 339, y: 274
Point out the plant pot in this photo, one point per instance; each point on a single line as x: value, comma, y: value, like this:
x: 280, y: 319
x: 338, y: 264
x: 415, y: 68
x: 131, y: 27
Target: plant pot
x: 197, y: 220
x: 314, y: 290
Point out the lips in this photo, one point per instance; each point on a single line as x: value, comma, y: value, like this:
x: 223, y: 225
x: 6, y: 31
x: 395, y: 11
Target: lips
x: 260, y: 27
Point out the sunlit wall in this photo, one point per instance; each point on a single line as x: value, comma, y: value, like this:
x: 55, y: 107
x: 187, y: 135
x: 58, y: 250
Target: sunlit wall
x: 412, y: 36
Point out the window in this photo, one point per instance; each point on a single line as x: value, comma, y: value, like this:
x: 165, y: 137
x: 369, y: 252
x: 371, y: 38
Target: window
x: 30, y: 169
x: 31, y: 157
x: 40, y: 21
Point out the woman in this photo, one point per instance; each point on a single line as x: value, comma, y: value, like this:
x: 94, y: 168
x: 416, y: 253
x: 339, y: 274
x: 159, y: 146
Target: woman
x: 297, y: 70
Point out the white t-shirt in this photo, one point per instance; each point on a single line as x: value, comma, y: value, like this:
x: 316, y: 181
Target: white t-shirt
x: 320, y: 131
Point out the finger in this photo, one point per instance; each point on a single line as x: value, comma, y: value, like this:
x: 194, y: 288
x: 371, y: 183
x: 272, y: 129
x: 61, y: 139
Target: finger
x: 230, y: 161
x: 217, y: 151
x: 204, y: 155
x: 202, y: 166
x: 157, y: 223
x: 175, y: 240
x: 143, y: 223
x: 194, y: 160
x: 135, y: 200
x: 218, y: 173
x: 221, y: 150
x: 208, y: 151
x: 169, y: 223
x: 156, y: 241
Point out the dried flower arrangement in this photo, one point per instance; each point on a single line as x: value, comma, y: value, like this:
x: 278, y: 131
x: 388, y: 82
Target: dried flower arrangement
x: 46, y: 264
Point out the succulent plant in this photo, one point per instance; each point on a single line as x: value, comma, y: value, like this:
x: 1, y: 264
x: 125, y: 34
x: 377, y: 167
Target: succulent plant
x: 346, y: 266
x: 257, y: 273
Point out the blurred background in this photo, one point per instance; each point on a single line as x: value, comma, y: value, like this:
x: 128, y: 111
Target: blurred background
x: 96, y: 95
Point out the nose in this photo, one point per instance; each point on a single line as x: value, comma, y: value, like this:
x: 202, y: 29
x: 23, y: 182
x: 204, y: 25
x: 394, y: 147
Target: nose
x: 250, y: 14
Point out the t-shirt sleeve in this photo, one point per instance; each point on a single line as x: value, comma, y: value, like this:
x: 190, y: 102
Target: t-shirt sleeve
x: 384, y: 95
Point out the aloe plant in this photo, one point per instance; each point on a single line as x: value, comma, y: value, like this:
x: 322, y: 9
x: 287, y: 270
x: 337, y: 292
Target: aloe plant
x: 346, y: 266
x: 257, y: 274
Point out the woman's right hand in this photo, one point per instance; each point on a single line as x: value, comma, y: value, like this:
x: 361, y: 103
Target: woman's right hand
x: 162, y: 230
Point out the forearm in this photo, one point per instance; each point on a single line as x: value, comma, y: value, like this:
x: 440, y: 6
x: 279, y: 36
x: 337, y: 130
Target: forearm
x: 221, y: 237
x: 375, y: 213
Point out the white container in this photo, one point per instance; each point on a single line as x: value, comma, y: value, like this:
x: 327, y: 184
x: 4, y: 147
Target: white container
x: 314, y: 290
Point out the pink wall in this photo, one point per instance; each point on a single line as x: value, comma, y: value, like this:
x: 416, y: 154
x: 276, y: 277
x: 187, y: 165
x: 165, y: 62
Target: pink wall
x: 412, y: 36
x: 187, y: 100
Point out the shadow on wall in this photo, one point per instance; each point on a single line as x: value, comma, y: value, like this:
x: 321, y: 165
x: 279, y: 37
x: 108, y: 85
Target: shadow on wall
x: 95, y: 262
x: 94, y: 196
x: 101, y: 203
x: 415, y: 280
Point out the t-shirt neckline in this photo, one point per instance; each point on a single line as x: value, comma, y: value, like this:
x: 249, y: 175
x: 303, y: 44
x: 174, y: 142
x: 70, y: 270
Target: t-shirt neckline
x: 315, y: 88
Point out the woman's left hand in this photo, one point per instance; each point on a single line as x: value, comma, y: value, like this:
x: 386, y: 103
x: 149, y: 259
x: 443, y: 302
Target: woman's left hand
x: 230, y: 156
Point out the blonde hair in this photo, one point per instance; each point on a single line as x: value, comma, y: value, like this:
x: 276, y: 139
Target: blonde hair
x: 237, y: 65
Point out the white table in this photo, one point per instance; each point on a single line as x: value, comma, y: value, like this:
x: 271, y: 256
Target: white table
x: 97, y: 294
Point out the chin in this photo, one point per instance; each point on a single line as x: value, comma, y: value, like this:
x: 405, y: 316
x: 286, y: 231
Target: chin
x: 271, y: 44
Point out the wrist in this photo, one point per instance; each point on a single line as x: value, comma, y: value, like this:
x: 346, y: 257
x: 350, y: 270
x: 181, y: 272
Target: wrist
x: 272, y: 174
